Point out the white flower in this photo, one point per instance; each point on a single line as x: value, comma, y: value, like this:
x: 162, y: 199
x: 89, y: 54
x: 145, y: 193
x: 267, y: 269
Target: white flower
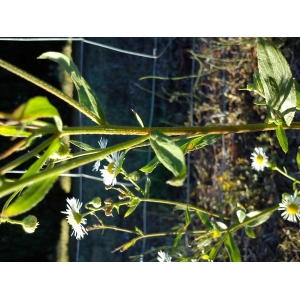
x: 259, y: 158
x: 74, y: 218
x: 109, y: 172
x: 163, y: 257
x: 291, y: 207
x: 102, y: 143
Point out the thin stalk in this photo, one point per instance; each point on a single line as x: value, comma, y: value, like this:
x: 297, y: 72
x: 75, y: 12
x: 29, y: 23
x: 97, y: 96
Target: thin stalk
x: 286, y: 175
x: 187, y: 205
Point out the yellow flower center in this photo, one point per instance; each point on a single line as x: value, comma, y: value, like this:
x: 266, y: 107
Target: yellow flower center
x: 259, y: 159
x: 77, y: 217
x: 292, y: 208
x: 111, y: 168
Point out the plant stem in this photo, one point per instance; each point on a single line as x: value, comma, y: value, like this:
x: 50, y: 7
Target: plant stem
x: 185, y: 205
x: 8, y: 188
x: 286, y: 175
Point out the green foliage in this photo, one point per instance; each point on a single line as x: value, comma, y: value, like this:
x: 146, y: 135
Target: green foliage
x: 87, y: 97
x: 282, y: 139
x: 232, y: 248
x: 170, y: 155
x: 277, y: 81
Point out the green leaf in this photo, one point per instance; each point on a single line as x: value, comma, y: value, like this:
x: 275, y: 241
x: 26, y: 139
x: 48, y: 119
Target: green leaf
x: 222, y: 225
x: 35, y: 108
x: 297, y: 87
x: 121, y: 161
x: 36, y: 166
x: 282, y: 139
x: 176, y: 242
x: 170, y: 155
x: 260, y: 220
x: 128, y: 245
x: 298, y: 158
x: 138, y: 118
x: 13, y: 131
x: 86, y: 95
x: 83, y: 146
x: 250, y: 233
x: 204, y: 219
x: 277, y: 81
x: 241, y: 215
x: 133, y: 206
x: 212, y: 253
x: 139, y: 230
x: 31, y: 197
x: 200, y: 142
x: 186, y: 145
x: 150, y: 166
x: 187, y: 217
x: 232, y: 248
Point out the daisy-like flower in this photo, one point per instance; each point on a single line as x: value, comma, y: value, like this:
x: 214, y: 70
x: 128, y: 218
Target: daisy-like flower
x: 74, y: 218
x: 109, y: 172
x: 163, y: 257
x: 291, y: 207
x: 102, y: 143
x: 259, y: 159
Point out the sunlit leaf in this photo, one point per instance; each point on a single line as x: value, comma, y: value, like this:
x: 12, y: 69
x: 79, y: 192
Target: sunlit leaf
x: 277, y: 81
x: 282, y: 139
x: 232, y: 248
x: 170, y: 155
x: 35, y: 108
x: 87, y: 97
x: 30, y: 197
x: 241, y: 215
x: 250, y: 233
x: 204, y: 219
x: 138, y: 118
x: 260, y: 220
x: 13, y: 131
x: 83, y: 146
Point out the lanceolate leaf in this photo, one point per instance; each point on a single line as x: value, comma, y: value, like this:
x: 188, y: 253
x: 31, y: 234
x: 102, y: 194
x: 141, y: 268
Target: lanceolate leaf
x: 232, y: 248
x: 204, y: 219
x: 277, y: 81
x: 83, y: 146
x: 87, y: 97
x: 282, y: 139
x: 35, y: 108
x: 36, y: 166
x: 258, y: 221
x: 31, y: 197
x: 170, y: 155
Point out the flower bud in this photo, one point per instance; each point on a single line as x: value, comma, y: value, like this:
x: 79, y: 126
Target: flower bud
x: 96, y: 202
x: 30, y: 223
x: 62, y: 152
x: 135, y: 175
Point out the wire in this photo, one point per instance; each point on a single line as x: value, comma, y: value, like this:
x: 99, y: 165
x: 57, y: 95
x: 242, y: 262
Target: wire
x: 154, y: 56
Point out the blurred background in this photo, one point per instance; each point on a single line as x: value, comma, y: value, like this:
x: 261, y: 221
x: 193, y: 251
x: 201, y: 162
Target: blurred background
x: 197, y: 83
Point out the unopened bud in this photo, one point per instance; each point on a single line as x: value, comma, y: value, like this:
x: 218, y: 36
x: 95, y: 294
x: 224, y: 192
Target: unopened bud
x: 30, y: 223
x: 135, y: 175
x: 96, y: 202
x: 62, y: 152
